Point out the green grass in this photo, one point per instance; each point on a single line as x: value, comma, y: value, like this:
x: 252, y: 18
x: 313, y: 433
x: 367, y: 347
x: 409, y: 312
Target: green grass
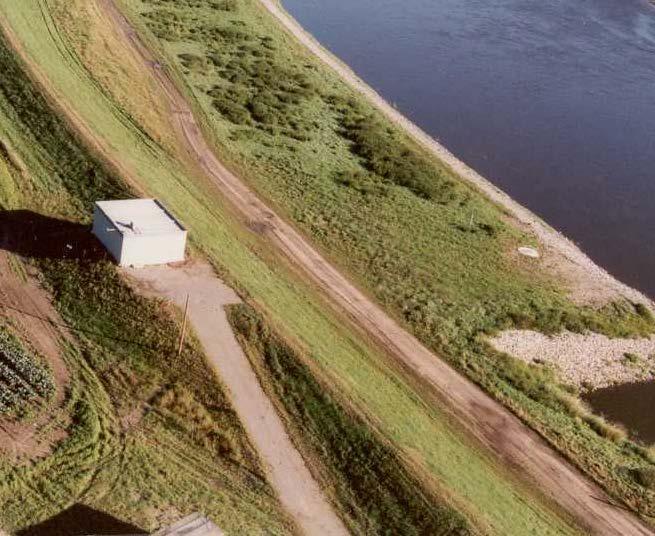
x: 149, y: 436
x: 424, y: 243
x: 365, y: 478
x: 471, y: 481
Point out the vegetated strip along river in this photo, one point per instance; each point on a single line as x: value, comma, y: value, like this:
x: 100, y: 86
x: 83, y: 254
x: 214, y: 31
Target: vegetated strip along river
x: 552, y: 101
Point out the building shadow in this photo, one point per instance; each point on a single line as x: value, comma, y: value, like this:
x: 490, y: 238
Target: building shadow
x: 32, y: 235
x: 81, y: 520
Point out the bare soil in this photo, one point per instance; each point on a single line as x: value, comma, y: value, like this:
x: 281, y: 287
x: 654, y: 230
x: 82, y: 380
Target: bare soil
x: 29, y: 307
x: 285, y: 468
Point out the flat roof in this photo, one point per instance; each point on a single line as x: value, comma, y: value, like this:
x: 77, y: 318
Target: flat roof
x: 140, y: 217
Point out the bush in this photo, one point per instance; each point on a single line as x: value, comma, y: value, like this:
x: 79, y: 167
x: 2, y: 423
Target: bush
x: 644, y: 476
x: 390, y: 158
x: 631, y: 358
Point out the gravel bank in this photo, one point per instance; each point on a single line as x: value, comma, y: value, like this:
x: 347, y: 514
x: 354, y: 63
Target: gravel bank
x: 587, y: 282
x: 583, y: 359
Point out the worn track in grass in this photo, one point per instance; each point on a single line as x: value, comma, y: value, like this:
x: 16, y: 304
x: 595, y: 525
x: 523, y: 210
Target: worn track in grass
x: 493, y: 424
x: 588, y: 282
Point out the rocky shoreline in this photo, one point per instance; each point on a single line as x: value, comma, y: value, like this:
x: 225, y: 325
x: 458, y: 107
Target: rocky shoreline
x: 589, y: 361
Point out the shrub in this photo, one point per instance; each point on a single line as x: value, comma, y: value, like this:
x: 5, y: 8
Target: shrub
x: 389, y: 157
x: 644, y: 476
x: 630, y: 358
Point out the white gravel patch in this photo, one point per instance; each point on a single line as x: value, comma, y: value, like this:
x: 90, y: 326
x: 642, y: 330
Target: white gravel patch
x: 583, y: 359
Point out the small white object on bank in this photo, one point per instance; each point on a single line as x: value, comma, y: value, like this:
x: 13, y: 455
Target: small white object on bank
x: 139, y: 232
x: 529, y: 252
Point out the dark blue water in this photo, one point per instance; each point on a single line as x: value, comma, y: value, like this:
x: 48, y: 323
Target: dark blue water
x: 633, y: 405
x: 552, y: 101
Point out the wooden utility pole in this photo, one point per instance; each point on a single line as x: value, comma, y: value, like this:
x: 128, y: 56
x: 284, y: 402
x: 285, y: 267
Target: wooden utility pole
x: 183, y: 332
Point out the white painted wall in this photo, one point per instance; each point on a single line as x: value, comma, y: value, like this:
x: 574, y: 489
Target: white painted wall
x: 144, y: 250
x: 138, y: 250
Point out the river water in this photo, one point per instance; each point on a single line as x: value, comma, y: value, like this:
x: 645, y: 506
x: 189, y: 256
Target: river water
x: 552, y: 101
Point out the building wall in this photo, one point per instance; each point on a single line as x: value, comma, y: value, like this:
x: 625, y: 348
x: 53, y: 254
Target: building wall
x: 105, y: 231
x: 143, y: 250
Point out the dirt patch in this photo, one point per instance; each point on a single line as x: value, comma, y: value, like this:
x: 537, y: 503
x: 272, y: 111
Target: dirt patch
x: 29, y: 308
x: 586, y: 360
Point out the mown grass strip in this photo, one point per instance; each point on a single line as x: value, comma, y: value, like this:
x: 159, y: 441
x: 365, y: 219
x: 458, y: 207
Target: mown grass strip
x: 374, y: 491
x: 129, y: 393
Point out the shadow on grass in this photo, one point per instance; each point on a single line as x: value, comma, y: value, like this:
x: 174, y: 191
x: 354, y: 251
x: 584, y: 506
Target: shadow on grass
x: 79, y: 520
x: 36, y: 236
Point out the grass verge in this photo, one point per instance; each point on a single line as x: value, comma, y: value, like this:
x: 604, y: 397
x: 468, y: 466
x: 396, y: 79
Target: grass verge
x: 150, y: 437
x: 372, y: 488
x: 493, y: 499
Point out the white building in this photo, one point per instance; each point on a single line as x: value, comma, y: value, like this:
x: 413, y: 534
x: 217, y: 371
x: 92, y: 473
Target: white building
x: 138, y: 232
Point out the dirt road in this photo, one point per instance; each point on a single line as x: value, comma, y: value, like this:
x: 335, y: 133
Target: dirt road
x: 497, y: 428
x: 285, y: 468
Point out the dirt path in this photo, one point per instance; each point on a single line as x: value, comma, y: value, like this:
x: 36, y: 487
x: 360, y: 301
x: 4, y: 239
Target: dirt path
x: 286, y: 470
x: 497, y: 428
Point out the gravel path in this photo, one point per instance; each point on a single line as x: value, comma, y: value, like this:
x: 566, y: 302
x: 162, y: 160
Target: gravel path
x: 286, y: 471
x: 583, y: 359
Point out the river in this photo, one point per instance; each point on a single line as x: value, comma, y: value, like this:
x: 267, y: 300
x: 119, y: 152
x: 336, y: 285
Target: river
x: 552, y: 101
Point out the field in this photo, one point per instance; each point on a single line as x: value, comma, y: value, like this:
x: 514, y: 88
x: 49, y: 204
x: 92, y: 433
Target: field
x: 315, y: 148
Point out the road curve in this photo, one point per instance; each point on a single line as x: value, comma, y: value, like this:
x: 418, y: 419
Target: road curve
x: 495, y: 426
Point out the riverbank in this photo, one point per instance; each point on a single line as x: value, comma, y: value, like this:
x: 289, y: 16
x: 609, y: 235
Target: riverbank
x: 588, y: 282
x: 586, y: 360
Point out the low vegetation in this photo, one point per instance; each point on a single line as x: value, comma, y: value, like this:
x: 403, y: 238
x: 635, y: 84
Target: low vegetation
x: 374, y: 491
x: 424, y: 243
x: 24, y: 379
x: 302, y: 177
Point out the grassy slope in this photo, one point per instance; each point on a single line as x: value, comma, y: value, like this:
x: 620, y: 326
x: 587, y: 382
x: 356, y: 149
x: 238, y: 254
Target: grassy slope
x: 472, y: 481
x: 362, y: 475
x: 151, y: 438
x: 335, y: 167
